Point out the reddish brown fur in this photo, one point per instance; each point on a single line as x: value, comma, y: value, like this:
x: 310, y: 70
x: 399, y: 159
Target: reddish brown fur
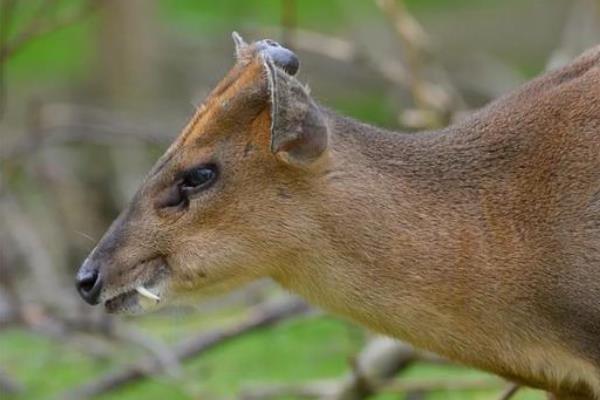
x: 480, y: 242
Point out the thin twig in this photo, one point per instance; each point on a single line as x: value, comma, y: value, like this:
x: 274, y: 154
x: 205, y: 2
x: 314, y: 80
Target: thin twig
x: 61, y: 124
x: 39, y: 27
x: 413, y: 40
x: 434, y: 102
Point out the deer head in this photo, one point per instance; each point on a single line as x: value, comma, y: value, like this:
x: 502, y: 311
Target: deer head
x: 224, y: 204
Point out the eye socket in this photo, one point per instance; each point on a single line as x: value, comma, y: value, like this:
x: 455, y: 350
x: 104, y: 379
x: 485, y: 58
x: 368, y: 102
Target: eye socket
x: 189, y: 183
x: 198, y: 178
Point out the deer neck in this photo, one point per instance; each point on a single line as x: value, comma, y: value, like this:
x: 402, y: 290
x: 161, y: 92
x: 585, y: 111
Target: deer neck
x: 399, y: 213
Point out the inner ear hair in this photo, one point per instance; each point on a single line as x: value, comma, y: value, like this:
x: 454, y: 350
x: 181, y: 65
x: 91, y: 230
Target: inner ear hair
x: 299, y: 133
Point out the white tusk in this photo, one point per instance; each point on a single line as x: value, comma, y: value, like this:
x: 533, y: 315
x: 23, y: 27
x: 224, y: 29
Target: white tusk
x: 146, y: 293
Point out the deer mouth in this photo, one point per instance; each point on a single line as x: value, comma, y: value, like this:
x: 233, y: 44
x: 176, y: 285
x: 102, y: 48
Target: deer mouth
x: 143, y: 295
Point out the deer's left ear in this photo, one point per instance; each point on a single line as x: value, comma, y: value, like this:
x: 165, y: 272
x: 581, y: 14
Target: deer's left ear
x: 299, y: 132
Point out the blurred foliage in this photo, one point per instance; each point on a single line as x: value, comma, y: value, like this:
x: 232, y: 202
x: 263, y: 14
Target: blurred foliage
x: 297, y: 351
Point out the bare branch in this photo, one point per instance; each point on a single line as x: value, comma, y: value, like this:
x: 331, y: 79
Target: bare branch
x: 580, y: 31
x: 433, y: 102
x: 380, y: 360
x: 311, y: 390
x: 413, y: 39
x: 328, y: 389
x: 169, y: 363
x: 261, y: 317
x: 509, y: 392
x: 61, y: 124
x: 27, y: 240
x: 432, y: 385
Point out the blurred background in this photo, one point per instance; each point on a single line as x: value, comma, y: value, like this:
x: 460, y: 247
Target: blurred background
x: 92, y: 92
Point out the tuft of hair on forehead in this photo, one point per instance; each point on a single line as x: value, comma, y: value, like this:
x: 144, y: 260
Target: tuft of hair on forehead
x: 240, y: 44
x: 244, y: 52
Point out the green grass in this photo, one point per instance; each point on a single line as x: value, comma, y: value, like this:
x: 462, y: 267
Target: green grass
x: 43, y: 366
x: 295, y: 351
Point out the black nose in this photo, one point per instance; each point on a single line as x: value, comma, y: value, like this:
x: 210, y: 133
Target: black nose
x: 89, y: 283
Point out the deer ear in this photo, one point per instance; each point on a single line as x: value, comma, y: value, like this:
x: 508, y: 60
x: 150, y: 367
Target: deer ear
x: 299, y: 132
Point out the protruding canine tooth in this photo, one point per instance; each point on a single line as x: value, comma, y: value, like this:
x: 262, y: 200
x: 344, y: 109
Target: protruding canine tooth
x: 146, y: 293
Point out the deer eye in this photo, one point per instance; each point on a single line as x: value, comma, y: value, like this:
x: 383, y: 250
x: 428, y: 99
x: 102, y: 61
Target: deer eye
x: 188, y: 183
x: 198, y: 178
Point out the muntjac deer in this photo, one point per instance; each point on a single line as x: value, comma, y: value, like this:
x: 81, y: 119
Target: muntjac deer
x: 480, y: 242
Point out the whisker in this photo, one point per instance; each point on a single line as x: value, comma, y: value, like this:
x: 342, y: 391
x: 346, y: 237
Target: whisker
x: 85, y: 235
